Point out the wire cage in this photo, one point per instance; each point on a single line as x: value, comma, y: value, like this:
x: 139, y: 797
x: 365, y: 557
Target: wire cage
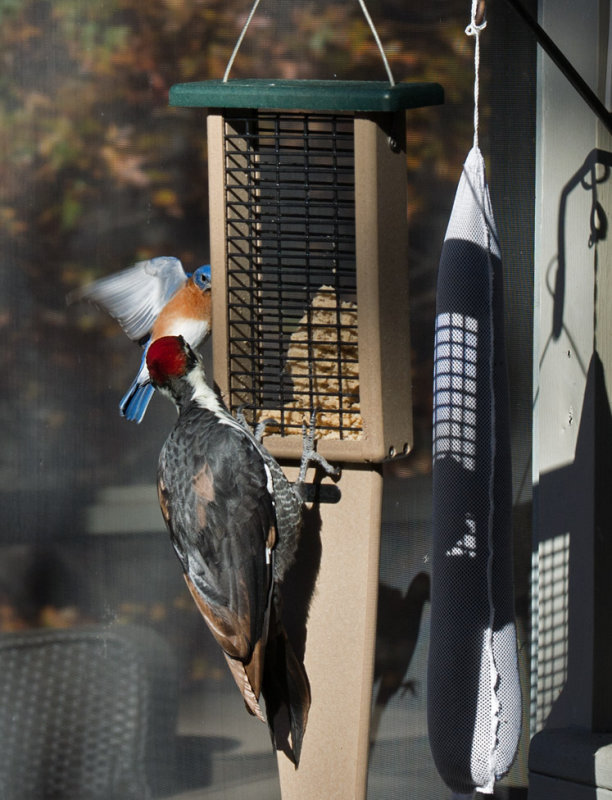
x: 307, y: 186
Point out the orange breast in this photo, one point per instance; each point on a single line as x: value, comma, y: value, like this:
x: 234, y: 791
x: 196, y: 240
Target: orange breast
x: 190, y: 302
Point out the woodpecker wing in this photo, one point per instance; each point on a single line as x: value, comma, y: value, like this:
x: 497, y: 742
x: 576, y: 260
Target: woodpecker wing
x: 135, y: 296
x: 214, y: 495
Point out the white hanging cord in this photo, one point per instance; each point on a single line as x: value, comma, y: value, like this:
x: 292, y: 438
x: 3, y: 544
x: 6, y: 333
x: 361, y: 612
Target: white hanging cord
x: 477, y: 25
x: 366, y: 14
x: 239, y: 42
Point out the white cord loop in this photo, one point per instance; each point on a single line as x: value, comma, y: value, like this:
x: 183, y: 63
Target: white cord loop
x: 366, y: 14
x: 474, y: 29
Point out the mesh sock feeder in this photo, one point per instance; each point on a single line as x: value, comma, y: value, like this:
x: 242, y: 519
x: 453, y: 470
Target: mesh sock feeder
x: 307, y: 187
x: 474, y: 696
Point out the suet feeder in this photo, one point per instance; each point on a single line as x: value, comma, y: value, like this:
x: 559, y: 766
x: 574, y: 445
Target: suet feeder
x: 307, y: 186
x: 308, y: 246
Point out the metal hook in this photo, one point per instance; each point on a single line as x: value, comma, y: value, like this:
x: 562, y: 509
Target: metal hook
x: 577, y: 81
x: 480, y: 12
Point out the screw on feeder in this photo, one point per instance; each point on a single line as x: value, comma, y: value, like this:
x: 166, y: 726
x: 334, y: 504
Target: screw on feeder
x: 394, y: 145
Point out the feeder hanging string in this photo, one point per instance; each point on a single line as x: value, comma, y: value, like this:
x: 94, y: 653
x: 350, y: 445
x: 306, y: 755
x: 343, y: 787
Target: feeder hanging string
x: 381, y: 50
x: 230, y: 63
x: 366, y: 14
x: 477, y: 25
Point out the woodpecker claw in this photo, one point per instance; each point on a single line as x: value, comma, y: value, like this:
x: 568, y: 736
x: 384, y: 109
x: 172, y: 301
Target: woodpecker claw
x: 241, y: 418
x: 261, y: 427
x: 310, y: 455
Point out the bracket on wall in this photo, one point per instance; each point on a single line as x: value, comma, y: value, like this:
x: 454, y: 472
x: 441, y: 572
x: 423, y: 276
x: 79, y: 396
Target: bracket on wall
x: 566, y: 67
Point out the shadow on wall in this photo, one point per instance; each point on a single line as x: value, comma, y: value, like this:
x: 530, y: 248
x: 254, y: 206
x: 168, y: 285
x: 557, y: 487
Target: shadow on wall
x: 397, y: 632
x: 574, y: 652
x: 586, y: 177
x: 576, y: 566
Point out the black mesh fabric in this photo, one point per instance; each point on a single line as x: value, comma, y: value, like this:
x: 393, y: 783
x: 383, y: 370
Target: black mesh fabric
x: 474, y: 704
x: 85, y: 714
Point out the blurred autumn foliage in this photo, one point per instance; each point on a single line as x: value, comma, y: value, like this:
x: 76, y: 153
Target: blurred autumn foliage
x: 97, y: 171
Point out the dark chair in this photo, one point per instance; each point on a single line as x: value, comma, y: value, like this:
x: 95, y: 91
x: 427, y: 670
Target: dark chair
x: 86, y: 714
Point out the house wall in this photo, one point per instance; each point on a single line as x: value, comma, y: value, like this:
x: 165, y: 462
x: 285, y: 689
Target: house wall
x: 571, y: 655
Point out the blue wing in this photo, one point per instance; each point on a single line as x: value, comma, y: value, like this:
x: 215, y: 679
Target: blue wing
x: 135, y: 296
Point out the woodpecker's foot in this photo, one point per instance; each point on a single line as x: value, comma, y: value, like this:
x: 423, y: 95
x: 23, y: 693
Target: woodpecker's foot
x: 310, y: 455
x: 242, y: 419
x: 261, y: 427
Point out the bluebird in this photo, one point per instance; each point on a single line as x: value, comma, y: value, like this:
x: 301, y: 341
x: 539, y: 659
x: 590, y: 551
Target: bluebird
x: 151, y: 299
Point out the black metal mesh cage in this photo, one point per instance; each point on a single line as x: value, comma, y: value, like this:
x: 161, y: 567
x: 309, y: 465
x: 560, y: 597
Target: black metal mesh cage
x: 291, y: 273
x: 307, y: 190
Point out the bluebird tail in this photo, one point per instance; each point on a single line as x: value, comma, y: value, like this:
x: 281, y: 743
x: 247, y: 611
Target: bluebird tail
x: 134, y: 403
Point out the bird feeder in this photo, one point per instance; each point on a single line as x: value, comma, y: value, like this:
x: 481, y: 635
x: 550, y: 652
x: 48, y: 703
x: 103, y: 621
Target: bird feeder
x: 308, y: 246
x: 307, y: 186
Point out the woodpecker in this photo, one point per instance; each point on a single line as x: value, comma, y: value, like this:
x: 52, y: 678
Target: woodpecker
x: 234, y: 521
x: 151, y: 299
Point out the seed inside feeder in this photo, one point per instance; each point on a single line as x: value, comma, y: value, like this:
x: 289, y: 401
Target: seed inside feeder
x: 322, y: 362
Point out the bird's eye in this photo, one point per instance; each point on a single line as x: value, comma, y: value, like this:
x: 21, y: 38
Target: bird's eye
x: 201, y: 277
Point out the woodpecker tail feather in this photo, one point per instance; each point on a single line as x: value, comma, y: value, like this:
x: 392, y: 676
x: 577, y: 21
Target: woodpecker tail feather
x: 244, y: 682
x: 287, y: 694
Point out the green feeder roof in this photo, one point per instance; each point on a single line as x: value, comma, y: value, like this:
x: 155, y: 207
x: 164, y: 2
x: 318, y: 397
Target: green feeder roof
x: 263, y: 93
